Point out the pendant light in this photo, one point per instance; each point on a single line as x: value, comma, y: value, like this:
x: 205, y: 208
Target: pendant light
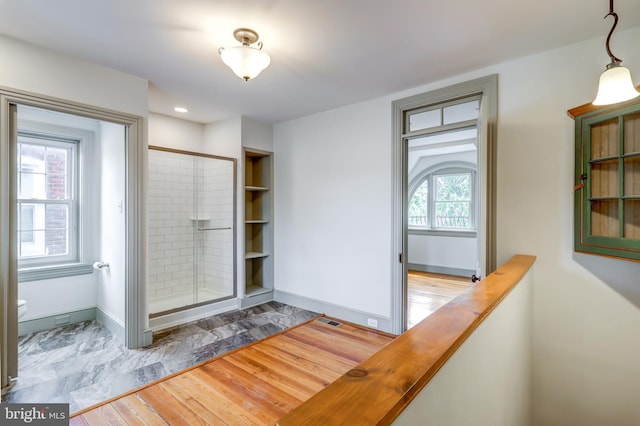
x: 615, y: 83
x: 245, y: 61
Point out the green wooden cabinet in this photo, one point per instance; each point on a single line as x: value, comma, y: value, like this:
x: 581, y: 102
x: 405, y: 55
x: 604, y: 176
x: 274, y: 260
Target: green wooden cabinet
x: 607, y: 180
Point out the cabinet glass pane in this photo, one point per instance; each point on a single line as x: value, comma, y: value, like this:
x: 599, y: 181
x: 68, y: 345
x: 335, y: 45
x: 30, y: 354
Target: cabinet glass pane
x: 632, y: 176
x: 604, y: 218
x: 632, y: 219
x: 632, y: 133
x: 604, y: 137
x: 604, y: 179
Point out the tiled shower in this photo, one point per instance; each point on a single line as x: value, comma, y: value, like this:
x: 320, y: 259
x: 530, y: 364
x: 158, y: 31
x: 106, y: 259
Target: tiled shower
x: 191, y: 211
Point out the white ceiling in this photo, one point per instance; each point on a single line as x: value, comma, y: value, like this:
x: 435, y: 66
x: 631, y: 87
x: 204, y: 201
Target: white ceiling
x: 324, y: 53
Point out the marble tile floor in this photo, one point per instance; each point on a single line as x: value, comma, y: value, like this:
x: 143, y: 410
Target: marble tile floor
x: 82, y: 364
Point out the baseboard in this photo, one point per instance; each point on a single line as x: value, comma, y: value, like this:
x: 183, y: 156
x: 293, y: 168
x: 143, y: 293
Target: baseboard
x: 47, y: 323
x: 256, y: 299
x: 111, y: 324
x: 441, y: 270
x: 336, y: 311
x: 147, y: 337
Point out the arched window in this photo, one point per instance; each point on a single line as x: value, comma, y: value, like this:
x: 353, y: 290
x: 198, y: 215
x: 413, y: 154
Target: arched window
x: 443, y: 198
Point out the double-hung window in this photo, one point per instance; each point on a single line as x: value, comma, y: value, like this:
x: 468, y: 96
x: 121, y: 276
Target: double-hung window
x: 55, y: 167
x: 47, y: 199
x: 443, y: 200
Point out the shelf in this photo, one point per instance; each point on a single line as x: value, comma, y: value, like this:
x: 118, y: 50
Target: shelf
x: 254, y: 290
x: 258, y: 232
x: 255, y: 255
x: 256, y: 188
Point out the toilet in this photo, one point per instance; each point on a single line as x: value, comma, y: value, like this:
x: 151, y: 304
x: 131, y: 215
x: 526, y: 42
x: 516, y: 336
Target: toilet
x: 22, y: 308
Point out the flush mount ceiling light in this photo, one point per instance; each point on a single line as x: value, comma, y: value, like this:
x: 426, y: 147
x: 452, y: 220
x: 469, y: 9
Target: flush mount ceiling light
x: 245, y: 61
x: 615, y: 83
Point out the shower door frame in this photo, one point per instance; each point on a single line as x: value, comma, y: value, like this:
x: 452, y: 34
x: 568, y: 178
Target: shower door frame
x: 136, y: 333
x: 234, y: 163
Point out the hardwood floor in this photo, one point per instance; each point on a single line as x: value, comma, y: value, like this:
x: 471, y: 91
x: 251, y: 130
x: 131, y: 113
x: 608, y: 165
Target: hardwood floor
x: 254, y: 385
x: 428, y: 291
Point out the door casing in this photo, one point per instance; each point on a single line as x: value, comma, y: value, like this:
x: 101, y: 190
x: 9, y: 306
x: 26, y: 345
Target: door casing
x: 136, y: 334
x: 487, y: 87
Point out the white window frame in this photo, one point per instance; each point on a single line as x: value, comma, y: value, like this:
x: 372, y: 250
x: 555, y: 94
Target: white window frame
x: 71, y: 201
x: 81, y: 209
x: 429, y: 175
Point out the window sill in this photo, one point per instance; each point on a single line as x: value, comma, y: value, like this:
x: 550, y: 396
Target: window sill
x: 443, y: 233
x: 50, y: 272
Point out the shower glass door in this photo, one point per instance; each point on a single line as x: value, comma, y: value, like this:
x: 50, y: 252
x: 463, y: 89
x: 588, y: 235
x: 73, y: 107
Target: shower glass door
x: 191, y: 211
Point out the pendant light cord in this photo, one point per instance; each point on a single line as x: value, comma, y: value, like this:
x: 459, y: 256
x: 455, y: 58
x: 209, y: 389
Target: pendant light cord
x: 613, y: 57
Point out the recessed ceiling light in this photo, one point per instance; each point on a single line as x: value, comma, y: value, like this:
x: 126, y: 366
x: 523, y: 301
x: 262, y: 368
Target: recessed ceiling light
x: 180, y: 109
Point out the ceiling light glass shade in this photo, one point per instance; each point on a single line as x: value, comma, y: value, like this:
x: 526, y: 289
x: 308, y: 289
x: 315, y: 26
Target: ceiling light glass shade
x: 615, y: 86
x: 245, y: 61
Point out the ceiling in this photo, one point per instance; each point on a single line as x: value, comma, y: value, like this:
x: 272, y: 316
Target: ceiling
x: 324, y: 53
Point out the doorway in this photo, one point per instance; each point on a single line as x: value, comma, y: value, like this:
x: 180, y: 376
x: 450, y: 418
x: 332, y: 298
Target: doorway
x: 49, y: 208
x: 444, y: 187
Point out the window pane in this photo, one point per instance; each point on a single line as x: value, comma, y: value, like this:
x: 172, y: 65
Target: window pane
x: 453, y: 187
x: 27, y: 216
x: 57, y: 159
x: 453, y: 201
x: 418, y: 206
x: 461, y: 112
x: 32, y: 158
x: 57, y: 230
x: 424, y: 120
x: 31, y: 170
x: 453, y: 214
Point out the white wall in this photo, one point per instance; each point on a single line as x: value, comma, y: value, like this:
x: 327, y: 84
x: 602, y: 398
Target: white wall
x: 487, y: 381
x: 333, y: 226
x: 257, y: 135
x: 224, y: 138
x: 46, y: 298
x: 42, y: 71
x: 174, y: 133
x: 111, y: 280
x: 332, y: 213
x: 454, y: 254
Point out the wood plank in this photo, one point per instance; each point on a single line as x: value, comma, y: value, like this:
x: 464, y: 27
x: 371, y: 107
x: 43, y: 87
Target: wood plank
x: 136, y: 411
x: 266, y: 400
x: 428, y: 291
x: 106, y: 415
x: 344, y: 349
x: 170, y: 405
x: 328, y: 360
x: 225, y: 406
x: 193, y: 401
x: 325, y: 375
x: 376, y: 391
x: 294, y: 381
